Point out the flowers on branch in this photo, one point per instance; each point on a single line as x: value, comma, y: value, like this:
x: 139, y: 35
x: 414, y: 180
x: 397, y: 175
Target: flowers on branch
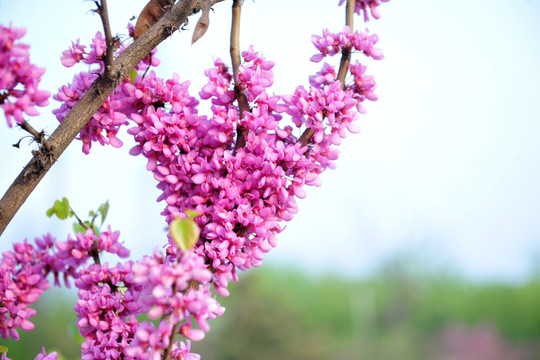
x: 24, y: 270
x: 330, y: 44
x: 364, y: 5
x: 19, y: 79
x: 241, y: 174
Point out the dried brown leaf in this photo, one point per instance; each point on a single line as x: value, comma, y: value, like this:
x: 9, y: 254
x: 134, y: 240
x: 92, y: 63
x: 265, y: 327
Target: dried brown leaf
x: 152, y: 12
x: 203, y: 23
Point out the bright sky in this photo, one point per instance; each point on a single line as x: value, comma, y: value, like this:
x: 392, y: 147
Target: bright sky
x: 447, y: 162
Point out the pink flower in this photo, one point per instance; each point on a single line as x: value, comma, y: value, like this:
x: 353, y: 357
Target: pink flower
x: 44, y: 356
x: 330, y: 44
x: 73, y: 55
x: 19, y: 79
x: 364, y: 5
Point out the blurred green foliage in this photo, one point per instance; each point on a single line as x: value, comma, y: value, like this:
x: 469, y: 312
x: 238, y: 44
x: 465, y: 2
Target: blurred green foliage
x: 401, y: 312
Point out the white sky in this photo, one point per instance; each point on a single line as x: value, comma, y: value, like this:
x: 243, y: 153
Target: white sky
x: 447, y: 162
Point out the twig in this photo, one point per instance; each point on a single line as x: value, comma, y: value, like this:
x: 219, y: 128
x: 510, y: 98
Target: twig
x: 39, y: 137
x: 109, y: 40
x: 235, y: 59
x: 89, y: 103
x: 346, y: 53
x: 168, y: 350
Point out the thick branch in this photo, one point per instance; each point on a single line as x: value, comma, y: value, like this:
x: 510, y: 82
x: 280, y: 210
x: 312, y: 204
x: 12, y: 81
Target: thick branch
x: 88, y: 105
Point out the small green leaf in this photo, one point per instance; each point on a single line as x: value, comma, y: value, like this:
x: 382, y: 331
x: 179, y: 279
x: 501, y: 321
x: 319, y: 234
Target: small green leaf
x: 96, y: 230
x: 133, y: 75
x: 184, y: 232
x: 78, y: 228
x: 3, y: 349
x: 104, y: 210
x: 60, y: 209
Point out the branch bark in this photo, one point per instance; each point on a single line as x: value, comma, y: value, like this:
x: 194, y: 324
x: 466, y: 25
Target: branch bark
x: 77, y: 118
x: 109, y: 40
x: 346, y: 53
x: 243, y: 103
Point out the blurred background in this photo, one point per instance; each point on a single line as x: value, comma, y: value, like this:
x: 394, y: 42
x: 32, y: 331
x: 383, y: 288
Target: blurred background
x: 422, y: 244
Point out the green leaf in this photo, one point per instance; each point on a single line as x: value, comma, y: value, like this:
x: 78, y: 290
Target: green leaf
x: 96, y: 229
x: 60, y: 209
x: 133, y: 75
x: 184, y: 232
x: 78, y: 228
x: 104, y: 210
x: 3, y: 349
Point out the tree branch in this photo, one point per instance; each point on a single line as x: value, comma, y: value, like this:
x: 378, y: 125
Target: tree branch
x: 346, y: 53
x: 90, y: 102
x: 343, y: 65
x: 243, y: 103
x: 109, y: 40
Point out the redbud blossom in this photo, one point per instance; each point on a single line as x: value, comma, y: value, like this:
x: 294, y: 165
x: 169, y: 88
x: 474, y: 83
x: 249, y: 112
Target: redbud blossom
x: 19, y: 79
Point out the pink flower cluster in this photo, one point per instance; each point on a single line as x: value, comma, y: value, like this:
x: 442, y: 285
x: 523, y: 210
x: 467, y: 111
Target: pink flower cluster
x: 178, y: 286
x: 105, y: 123
x: 22, y: 274
x: 107, y: 316
x: 242, y: 174
x: 242, y: 194
x: 19, y: 79
x: 364, y: 5
x: 24, y: 270
x: 330, y: 44
x: 41, y: 356
x: 175, y: 289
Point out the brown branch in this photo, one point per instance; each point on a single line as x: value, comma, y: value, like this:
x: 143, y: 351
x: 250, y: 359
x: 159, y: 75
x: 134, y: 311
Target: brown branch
x: 90, y: 102
x: 343, y: 65
x: 168, y: 350
x: 109, y: 40
x: 243, y: 103
x: 346, y: 53
x: 235, y: 37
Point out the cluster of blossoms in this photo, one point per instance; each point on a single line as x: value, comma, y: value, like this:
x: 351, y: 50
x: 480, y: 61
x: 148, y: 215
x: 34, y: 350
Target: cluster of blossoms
x: 330, y: 44
x: 364, y: 5
x: 19, y: 79
x: 108, y: 316
x: 24, y: 270
x: 241, y: 171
